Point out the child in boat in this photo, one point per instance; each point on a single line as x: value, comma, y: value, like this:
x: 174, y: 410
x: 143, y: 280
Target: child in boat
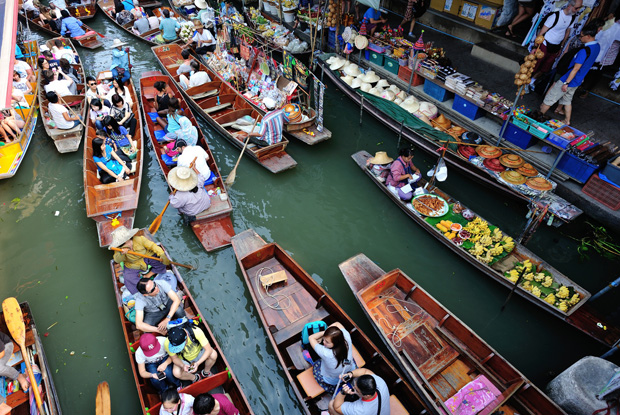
x: 188, y: 133
x: 189, y: 351
x: 218, y: 403
x: 175, y: 403
x: 152, y: 359
x: 335, y: 350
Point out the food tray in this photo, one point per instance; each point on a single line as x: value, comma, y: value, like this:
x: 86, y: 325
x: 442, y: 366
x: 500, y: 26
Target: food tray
x: 436, y: 213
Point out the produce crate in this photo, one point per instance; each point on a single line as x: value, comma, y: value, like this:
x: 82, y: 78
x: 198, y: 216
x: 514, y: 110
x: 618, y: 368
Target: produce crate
x: 437, y: 92
x: 538, y: 133
x: 612, y: 172
x: 518, y: 136
x: 376, y: 58
x: 603, y: 192
x: 468, y: 109
x: 576, y: 168
x: 391, y: 64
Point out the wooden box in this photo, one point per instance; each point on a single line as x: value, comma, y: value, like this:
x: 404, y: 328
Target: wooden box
x: 469, y: 11
x: 453, y: 6
x: 486, y: 16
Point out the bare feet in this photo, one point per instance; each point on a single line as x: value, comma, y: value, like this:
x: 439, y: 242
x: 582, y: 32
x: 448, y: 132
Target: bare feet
x: 567, y: 122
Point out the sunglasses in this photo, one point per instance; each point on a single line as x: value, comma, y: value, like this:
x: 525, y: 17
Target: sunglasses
x: 153, y: 290
x: 92, y: 84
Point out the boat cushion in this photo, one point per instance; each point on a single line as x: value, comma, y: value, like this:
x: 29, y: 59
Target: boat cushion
x: 309, y: 384
x: 473, y: 397
x: 396, y: 407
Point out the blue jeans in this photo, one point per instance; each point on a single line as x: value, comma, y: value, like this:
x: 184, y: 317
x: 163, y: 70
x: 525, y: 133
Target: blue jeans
x: 170, y: 380
x: 509, y: 11
x: 125, y: 75
x: 99, y: 125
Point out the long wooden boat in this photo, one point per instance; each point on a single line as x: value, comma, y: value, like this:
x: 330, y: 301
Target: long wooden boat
x: 13, y: 153
x: 578, y: 315
x: 113, y: 204
x: 220, y: 105
x: 213, y: 228
x: 286, y: 308
x: 66, y: 141
x: 223, y: 378
x: 433, y: 345
x: 430, y: 146
x: 90, y: 40
x: 19, y: 400
x: 83, y: 11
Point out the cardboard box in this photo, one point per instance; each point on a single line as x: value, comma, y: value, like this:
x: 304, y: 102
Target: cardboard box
x: 438, y: 5
x: 486, y: 16
x: 453, y: 6
x: 469, y: 11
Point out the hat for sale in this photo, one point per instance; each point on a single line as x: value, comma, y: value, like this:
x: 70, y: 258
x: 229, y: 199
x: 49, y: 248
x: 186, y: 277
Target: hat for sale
x: 489, y: 152
x: 512, y: 177
x: 493, y: 165
x: 539, y: 183
x: 528, y: 170
x: 511, y: 161
x: 466, y: 151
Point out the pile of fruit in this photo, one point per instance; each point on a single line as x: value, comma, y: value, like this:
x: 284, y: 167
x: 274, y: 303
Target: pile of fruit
x: 334, y: 10
x: 542, y: 285
x: 524, y: 76
x: 486, y: 243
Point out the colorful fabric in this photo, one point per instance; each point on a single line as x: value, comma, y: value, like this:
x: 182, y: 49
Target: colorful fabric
x: 271, y: 127
x: 316, y: 371
x: 473, y: 397
x: 120, y: 59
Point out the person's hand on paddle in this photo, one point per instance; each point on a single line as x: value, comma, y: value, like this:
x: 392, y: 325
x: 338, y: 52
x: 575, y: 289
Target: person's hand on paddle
x: 165, y: 260
x: 125, y: 251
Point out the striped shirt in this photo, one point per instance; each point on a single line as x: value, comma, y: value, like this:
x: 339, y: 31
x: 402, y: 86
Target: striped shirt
x: 271, y: 127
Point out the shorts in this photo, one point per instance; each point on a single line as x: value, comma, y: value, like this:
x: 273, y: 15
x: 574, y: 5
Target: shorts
x: 555, y: 94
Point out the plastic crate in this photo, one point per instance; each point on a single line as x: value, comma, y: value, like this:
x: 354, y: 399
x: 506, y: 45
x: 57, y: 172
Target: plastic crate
x: 612, y: 172
x: 519, y: 137
x: 603, y: 192
x: 557, y: 140
x: 376, y: 48
x: 437, y: 92
x: 468, y: 109
x: 376, y: 57
x: 538, y: 133
x: 522, y: 125
x: 576, y: 168
x: 391, y: 64
x: 404, y: 73
x: 555, y: 136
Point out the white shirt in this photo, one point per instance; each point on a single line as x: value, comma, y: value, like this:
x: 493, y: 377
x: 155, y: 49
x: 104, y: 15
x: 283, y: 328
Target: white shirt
x: 142, y: 358
x: 60, y: 4
x: 198, y: 78
x: 556, y: 34
x: 22, y: 68
x: 60, y: 86
x: 195, y: 152
x: 29, y: 6
x: 205, y: 37
x: 186, y: 406
x: 126, y: 97
x: 606, y: 38
x: 56, y: 112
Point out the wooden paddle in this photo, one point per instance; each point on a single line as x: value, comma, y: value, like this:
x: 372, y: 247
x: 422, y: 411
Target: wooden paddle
x: 102, y: 401
x: 151, y: 257
x: 15, y: 323
x: 231, y: 177
x: 72, y: 112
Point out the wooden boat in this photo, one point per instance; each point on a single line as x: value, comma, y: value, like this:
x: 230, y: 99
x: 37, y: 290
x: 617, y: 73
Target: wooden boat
x: 90, y: 40
x: 19, y: 400
x: 408, y: 320
x: 84, y: 11
x: 220, y: 105
x: 113, y: 204
x: 214, y: 227
x: 579, y: 315
x: 300, y: 300
x: 66, y: 141
x: 223, y: 379
x: 13, y: 154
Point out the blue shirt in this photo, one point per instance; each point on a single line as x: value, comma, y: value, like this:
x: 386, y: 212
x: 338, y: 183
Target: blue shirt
x: 173, y: 123
x: 168, y: 27
x: 372, y: 14
x: 107, y: 161
x: 120, y: 59
x: 72, y: 25
x: 18, y: 53
x: 128, y: 5
x: 580, y: 57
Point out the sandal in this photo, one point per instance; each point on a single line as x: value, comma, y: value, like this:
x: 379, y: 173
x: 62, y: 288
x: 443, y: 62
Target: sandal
x: 509, y: 33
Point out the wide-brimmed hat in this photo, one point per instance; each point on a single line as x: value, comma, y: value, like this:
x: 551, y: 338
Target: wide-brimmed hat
x: 387, y: 94
x: 370, y: 77
x: 198, y: 24
x: 456, y: 131
x: 383, y: 83
x: 396, y: 90
x: 443, y: 122
x: 337, y: 64
x: 201, y: 4
x: 349, y: 34
x: 402, y: 95
x: 361, y: 42
x: 493, y: 165
x: 512, y: 161
x: 528, y: 170
x: 176, y: 340
x: 149, y: 344
x: 380, y: 157
x: 466, y: 151
x: 411, y: 104
x: 376, y: 91
x: 352, y: 70
x: 512, y: 177
x: 356, y: 83
x: 121, y: 235
x: 331, y: 59
x: 539, y: 183
x: 116, y: 43
x: 429, y: 109
x: 489, y: 152
x: 347, y: 79
x: 183, y: 179
x: 365, y: 86
x: 398, y: 101
x: 471, y: 137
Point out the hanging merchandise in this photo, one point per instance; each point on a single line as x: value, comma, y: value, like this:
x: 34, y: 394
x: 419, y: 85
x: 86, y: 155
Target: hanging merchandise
x: 319, y: 92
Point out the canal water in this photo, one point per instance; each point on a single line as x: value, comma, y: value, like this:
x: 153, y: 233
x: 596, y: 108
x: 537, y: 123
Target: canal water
x: 322, y: 212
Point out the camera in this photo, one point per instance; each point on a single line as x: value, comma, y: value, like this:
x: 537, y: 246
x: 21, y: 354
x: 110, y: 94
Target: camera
x: 347, y: 378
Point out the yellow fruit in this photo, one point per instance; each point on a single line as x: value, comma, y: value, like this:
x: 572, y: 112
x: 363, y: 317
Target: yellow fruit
x: 442, y: 228
x: 550, y: 299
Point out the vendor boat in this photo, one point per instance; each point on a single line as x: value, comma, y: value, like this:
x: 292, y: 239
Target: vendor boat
x: 221, y: 106
x: 213, y: 227
x: 83, y: 11
x: 12, y: 154
x: 20, y: 401
x: 300, y: 300
x: 223, y: 379
x: 113, y: 204
x: 422, y: 139
x: 66, y: 141
x: 500, y: 264
x: 408, y: 319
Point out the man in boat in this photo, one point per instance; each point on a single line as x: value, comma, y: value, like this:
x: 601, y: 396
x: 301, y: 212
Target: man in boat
x: 152, y: 359
x: 185, y: 67
x: 270, y: 129
x: 9, y: 372
x: 120, y: 60
x: 141, y: 25
x: 374, y: 20
x: 156, y: 305
x: 137, y: 267
x: 71, y: 24
x: 189, y: 348
x: 373, y: 391
x: 203, y: 40
x: 187, y: 155
x: 190, y: 198
x: 196, y: 78
x: 168, y: 27
x: 28, y: 6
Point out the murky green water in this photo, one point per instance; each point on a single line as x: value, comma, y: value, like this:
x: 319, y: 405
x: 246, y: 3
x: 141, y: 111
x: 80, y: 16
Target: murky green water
x: 323, y: 212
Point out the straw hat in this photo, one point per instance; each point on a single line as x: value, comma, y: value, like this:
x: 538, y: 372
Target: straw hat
x: 370, y: 77
x: 376, y: 91
x: 493, y: 165
x: 443, y: 122
x: 528, y: 170
x: 183, y: 179
x: 380, y: 157
x: 423, y: 118
x: 411, y: 105
x: 456, y: 131
x: 348, y: 79
x: 489, y: 152
x: 466, y: 151
x: 116, y: 43
x: 387, y: 94
x: 512, y: 177
x: 402, y: 95
x: 121, y: 235
x: 539, y: 183
x: 352, y: 70
x: 398, y: 101
x: 429, y: 109
x: 356, y: 83
x: 365, y: 86
x: 512, y: 161
x: 331, y: 59
x: 361, y: 42
x: 396, y: 90
x: 201, y: 4
x: 383, y: 84
x: 337, y: 64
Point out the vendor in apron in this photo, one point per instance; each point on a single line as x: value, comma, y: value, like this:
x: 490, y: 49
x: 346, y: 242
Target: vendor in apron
x: 402, y: 169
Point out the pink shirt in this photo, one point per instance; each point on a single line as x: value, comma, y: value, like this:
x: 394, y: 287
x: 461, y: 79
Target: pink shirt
x: 226, y: 406
x: 397, y: 170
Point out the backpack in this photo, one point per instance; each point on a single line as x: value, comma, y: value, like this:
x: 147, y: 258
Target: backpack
x: 563, y: 65
x: 556, y: 19
x: 310, y: 329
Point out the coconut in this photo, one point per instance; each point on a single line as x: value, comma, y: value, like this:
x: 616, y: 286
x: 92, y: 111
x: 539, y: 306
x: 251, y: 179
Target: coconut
x: 530, y: 57
x: 519, y: 82
x: 527, y: 64
x: 540, y: 54
x: 539, y: 39
x: 523, y: 70
x: 523, y: 76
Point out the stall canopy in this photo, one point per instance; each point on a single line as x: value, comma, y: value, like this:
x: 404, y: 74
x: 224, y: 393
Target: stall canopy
x: 375, y: 4
x: 8, y: 30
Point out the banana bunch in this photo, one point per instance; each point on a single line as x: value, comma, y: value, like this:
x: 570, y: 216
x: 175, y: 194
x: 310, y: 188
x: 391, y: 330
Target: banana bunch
x: 528, y: 276
x: 513, y: 275
x: 539, y: 277
x: 527, y: 286
x: 547, y: 282
x: 527, y: 266
x: 550, y: 299
x: 486, y: 258
x: 486, y: 240
x: 496, y: 235
x: 563, y: 306
x: 574, y: 299
x: 478, y: 249
x: 562, y: 292
x: 268, y: 33
x: 536, y: 292
x: 498, y: 249
x: 475, y: 238
x: 509, y: 244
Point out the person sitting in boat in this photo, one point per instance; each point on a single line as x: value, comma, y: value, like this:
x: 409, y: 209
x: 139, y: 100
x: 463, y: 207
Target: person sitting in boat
x: 119, y: 87
x: 11, y: 125
x: 202, y: 40
x: 189, y: 351
x: 25, y: 70
x: 95, y: 91
x: 196, y: 78
x: 187, y: 154
x: 113, y: 166
x: 120, y: 60
x: 28, y: 6
x: 21, y: 84
x: 121, y: 112
x: 118, y: 7
x: 175, y: 403
x: 60, y: 4
x: 69, y: 71
x: 60, y: 114
x: 190, y: 198
x: 185, y: 66
x: 123, y: 17
x: 98, y: 112
x: 271, y: 128
x: 54, y: 80
x: 137, y: 267
x: 138, y: 12
x: 120, y: 136
x: 49, y: 17
x: 188, y: 133
x: 173, y: 116
x: 72, y: 25
x: 374, y: 20
x: 162, y: 100
x: 373, y: 391
x: 227, y: 9
x: 152, y: 358
x: 141, y: 25
x: 168, y: 27
x: 218, y: 403
x: 157, y: 304
x: 335, y: 349
x: 153, y: 20
x: 6, y: 370
x: 380, y: 165
x: 402, y: 169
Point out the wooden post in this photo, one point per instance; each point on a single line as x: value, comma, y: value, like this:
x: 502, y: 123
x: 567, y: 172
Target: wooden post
x: 361, y: 109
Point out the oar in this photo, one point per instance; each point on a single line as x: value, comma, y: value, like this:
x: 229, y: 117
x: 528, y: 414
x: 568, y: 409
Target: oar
x: 231, y: 177
x: 72, y: 112
x: 151, y: 257
x: 15, y: 323
x: 157, y: 221
x: 128, y: 60
x: 102, y: 401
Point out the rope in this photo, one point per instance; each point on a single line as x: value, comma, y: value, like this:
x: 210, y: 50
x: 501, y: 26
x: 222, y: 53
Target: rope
x: 396, y: 333
x: 276, y: 305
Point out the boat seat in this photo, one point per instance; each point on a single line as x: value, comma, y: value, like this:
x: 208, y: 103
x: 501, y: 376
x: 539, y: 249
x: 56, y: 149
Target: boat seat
x: 205, y: 94
x: 294, y: 329
x: 396, y: 407
x: 58, y: 131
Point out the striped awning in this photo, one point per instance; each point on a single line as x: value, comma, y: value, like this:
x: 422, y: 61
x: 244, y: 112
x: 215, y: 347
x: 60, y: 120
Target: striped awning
x: 8, y: 31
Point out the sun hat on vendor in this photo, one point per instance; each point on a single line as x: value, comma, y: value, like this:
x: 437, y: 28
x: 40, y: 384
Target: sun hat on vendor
x: 198, y: 24
x: 352, y: 70
x: 201, y: 4
x: 381, y: 157
x: 117, y: 43
x: 182, y: 179
x: 121, y: 235
x: 370, y: 77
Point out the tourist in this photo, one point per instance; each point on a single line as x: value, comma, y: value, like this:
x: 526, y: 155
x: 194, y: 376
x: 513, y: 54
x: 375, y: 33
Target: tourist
x: 152, y: 361
x: 111, y: 166
x: 203, y: 40
x: 190, y: 198
x: 120, y: 61
x: 25, y: 70
x: 270, y: 129
x: 525, y: 12
x: 415, y: 10
x: 217, y: 403
x: 49, y: 57
x: 374, y: 20
x: 123, y: 115
x: 185, y: 66
x: 9, y: 372
x: 95, y: 91
x: 60, y: 114
x: 98, y: 112
x: 141, y: 25
x: 227, y: 10
x: 136, y: 265
x: 175, y: 403
x: 153, y: 20
x: 156, y: 305
x: 51, y: 82
x: 120, y: 136
x: 69, y: 71
x: 335, y: 350
x: 120, y: 88
x: 72, y: 25
x: 123, y: 17
x: 196, y: 78
x: 168, y: 27
x: 609, y: 40
x: 60, y: 4
x: 49, y: 17
x: 373, y: 391
x: 162, y: 100
x: 172, y: 119
x: 189, y: 350
x: 11, y: 124
x: 402, y: 169
x: 128, y: 5
x: 28, y: 6
x: 187, y: 132
x: 21, y: 84
x: 190, y: 153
